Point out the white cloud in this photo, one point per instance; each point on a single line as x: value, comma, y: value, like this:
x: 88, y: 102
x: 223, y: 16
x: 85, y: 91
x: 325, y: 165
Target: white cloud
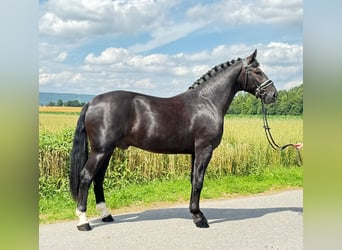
x: 87, y: 19
x: 144, y: 84
x: 283, y: 53
x: 52, y: 24
x: 181, y: 70
x: 61, y: 56
x: 67, y: 27
x: 166, y: 75
x: 108, y: 56
x: 247, y: 12
x: 51, y: 53
x: 292, y: 84
x: 77, y: 19
x: 225, y: 13
x: 61, y: 77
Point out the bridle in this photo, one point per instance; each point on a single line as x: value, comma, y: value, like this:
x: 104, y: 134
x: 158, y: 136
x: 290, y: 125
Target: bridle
x: 260, y: 90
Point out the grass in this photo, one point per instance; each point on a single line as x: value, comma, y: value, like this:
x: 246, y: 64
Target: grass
x: 243, y: 164
x: 60, y: 207
x: 243, y: 150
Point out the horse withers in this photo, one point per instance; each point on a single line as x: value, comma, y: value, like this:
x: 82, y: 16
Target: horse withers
x: 188, y: 123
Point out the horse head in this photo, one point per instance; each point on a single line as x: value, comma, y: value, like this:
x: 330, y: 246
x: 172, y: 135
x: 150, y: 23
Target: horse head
x: 255, y: 81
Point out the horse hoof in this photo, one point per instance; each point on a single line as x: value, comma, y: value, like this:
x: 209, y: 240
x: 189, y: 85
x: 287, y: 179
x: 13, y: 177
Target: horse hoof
x: 84, y: 227
x: 201, y: 223
x: 108, y: 218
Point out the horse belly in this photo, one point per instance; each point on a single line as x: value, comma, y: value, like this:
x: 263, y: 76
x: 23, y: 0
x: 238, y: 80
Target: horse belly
x: 168, y: 146
x: 161, y: 141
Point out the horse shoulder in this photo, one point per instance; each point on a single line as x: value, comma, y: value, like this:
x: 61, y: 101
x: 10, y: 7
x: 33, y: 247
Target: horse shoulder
x: 207, y: 125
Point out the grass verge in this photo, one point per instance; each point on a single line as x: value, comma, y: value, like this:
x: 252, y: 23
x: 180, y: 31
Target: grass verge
x: 55, y: 202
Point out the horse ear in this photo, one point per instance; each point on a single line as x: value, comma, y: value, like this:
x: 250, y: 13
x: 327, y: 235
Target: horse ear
x: 251, y: 58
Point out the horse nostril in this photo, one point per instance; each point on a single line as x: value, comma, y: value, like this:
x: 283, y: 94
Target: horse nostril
x: 275, y: 95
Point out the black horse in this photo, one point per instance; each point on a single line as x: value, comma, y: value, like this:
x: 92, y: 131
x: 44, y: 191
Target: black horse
x: 189, y: 123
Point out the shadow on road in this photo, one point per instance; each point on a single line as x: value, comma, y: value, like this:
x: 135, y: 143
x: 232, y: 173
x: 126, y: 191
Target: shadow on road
x: 214, y: 215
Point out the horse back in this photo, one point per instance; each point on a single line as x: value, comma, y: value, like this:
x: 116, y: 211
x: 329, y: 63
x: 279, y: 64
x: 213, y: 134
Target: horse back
x: 122, y: 119
x: 161, y: 125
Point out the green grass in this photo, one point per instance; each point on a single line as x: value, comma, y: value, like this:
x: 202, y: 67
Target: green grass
x: 57, y: 205
x: 243, y: 164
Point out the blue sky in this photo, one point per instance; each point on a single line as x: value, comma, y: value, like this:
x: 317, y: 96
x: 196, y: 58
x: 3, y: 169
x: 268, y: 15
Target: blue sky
x: 162, y: 47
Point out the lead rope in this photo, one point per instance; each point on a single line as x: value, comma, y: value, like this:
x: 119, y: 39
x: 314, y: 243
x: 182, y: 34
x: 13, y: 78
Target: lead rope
x: 271, y: 141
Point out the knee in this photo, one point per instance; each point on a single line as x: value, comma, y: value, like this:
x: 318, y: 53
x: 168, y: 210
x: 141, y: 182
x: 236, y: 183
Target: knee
x: 85, y: 177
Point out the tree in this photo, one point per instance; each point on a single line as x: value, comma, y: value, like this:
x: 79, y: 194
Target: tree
x: 289, y: 102
x: 59, y: 102
x: 51, y: 104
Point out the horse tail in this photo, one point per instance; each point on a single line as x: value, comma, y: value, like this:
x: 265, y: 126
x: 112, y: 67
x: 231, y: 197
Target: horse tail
x: 79, y: 153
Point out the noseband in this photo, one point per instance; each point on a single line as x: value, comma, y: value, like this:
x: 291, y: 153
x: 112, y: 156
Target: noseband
x: 260, y: 90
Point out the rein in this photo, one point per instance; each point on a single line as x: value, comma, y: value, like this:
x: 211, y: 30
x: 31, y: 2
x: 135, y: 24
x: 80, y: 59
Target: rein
x: 271, y: 141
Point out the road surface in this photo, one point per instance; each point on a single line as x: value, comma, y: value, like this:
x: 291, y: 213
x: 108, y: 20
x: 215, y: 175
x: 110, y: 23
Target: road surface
x: 267, y: 221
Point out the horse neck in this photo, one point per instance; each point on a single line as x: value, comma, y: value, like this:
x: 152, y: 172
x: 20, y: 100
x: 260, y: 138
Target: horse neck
x: 221, y: 88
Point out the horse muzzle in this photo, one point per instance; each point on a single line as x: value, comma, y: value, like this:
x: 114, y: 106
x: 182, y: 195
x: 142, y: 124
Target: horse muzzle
x: 267, y: 92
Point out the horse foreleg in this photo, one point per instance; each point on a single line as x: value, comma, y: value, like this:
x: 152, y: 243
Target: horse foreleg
x: 200, y: 163
x: 99, y: 194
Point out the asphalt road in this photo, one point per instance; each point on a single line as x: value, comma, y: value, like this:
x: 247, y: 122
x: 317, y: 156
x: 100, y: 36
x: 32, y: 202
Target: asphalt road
x: 268, y: 221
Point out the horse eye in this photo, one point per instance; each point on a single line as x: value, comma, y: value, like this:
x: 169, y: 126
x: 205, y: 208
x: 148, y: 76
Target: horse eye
x: 258, y: 72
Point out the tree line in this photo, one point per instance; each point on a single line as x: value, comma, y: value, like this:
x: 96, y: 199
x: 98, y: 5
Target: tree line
x: 289, y: 102
x: 60, y: 103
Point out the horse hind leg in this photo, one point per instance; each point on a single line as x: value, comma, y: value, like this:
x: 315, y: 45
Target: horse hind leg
x: 87, y: 174
x: 99, y: 194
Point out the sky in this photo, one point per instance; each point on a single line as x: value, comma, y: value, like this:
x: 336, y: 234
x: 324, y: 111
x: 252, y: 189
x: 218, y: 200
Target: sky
x: 160, y: 47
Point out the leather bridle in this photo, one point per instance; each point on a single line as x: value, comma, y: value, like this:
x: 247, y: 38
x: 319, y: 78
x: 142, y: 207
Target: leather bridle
x: 260, y: 90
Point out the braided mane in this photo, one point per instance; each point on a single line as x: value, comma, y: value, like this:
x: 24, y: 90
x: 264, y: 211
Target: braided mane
x: 212, y: 72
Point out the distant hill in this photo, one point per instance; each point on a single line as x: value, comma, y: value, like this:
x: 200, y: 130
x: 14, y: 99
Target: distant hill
x: 45, y: 98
